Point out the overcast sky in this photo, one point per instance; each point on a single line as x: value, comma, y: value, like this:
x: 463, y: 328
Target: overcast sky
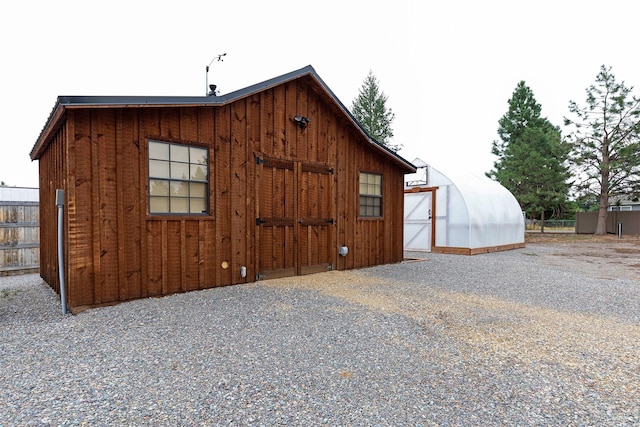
x: 447, y: 67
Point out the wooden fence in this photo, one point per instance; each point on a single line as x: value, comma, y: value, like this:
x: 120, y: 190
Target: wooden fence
x: 19, y: 237
x: 629, y: 220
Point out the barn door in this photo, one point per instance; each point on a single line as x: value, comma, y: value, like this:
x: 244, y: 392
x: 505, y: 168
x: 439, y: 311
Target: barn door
x: 417, y: 221
x: 276, y: 199
x: 295, y: 218
x: 315, y: 218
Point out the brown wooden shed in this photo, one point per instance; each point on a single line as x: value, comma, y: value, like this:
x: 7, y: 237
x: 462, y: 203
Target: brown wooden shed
x: 172, y: 194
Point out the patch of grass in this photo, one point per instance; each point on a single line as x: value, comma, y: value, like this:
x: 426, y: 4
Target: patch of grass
x: 6, y: 293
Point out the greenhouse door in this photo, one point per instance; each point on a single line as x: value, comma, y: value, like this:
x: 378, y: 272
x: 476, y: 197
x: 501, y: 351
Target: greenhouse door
x: 295, y: 218
x: 417, y: 221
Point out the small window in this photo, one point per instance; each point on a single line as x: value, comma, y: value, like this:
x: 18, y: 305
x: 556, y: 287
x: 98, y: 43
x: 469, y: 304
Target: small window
x: 178, y: 178
x: 370, y: 195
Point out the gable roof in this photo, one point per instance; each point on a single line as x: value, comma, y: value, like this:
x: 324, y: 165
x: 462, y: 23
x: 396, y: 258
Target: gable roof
x: 63, y: 103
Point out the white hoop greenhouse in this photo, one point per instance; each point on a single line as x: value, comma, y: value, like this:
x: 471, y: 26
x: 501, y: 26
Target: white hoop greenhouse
x: 459, y: 212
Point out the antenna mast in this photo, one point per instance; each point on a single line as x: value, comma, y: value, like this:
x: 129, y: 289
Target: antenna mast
x: 215, y: 58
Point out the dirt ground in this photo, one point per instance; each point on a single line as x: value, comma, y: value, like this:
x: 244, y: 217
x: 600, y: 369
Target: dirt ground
x: 606, y: 256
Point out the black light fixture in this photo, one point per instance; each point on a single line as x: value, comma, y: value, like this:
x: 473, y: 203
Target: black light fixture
x: 302, y: 121
x: 212, y: 92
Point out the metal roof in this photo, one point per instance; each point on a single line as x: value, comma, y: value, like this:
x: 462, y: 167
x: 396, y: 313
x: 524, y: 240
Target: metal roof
x: 69, y: 102
x: 19, y: 194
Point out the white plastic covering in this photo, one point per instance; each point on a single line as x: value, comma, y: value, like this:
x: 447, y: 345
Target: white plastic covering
x: 19, y: 194
x: 472, y: 210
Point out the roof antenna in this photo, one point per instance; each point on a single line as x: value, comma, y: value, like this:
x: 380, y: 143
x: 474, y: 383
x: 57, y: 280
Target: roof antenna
x: 211, y: 90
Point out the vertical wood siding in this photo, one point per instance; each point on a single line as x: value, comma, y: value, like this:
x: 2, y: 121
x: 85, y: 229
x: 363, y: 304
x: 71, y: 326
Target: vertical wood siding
x: 53, y: 168
x: 116, y: 251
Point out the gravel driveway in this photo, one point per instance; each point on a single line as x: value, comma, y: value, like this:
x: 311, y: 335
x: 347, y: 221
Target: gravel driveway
x: 547, y: 335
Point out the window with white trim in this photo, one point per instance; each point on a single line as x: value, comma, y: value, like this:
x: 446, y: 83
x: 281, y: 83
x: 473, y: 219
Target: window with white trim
x: 370, y: 195
x: 620, y: 208
x: 178, y: 178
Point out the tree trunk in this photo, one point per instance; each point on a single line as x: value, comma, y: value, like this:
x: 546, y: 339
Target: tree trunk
x: 601, y: 225
x: 542, y: 222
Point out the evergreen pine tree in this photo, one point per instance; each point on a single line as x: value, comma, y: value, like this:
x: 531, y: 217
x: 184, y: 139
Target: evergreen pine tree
x: 370, y: 110
x: 606, y: 143
x: 531, y: 157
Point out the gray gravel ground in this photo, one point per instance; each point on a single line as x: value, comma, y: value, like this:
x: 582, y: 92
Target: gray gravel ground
x: 504, y: 339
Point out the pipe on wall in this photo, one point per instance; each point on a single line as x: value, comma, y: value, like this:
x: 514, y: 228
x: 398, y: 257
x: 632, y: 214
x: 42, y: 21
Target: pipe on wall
x: 60, y: 204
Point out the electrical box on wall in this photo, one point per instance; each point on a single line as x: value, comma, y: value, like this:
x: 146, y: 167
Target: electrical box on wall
x: 59, y: 197
x: 343, y: 251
